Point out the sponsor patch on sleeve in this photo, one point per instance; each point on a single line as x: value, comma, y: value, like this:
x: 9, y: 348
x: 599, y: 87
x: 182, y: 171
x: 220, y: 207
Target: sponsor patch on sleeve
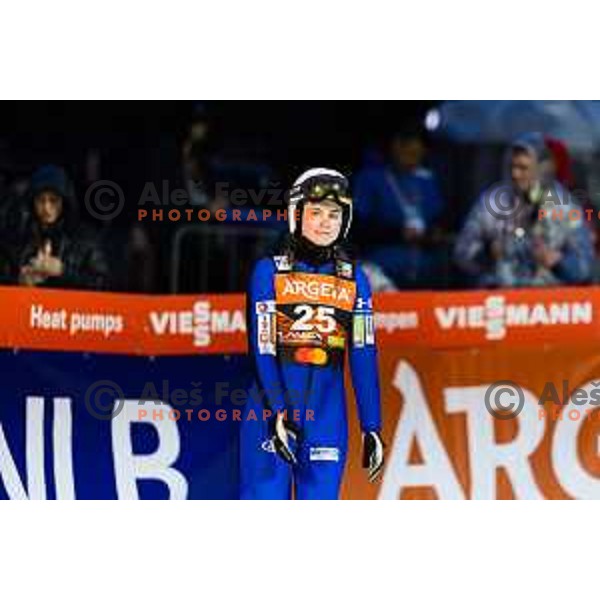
x: 369, y: 330
x: 265, y: 327
x: 344, y: 269
x: 265, y: 306
x: 363, y: 329
x: 363, y: 305
x: 324, y: 454
x: 358, y: 331
x: 282, y: 263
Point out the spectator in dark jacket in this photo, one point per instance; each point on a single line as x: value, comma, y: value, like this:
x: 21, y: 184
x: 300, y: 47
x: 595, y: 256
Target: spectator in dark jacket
x: 55, y: 249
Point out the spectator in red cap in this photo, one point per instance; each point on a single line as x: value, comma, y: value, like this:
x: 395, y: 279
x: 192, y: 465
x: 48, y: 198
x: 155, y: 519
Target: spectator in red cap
x: 561, y: 162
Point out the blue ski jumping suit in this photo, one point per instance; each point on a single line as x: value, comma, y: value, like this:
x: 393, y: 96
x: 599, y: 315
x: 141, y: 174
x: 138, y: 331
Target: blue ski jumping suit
x: 302, y: 319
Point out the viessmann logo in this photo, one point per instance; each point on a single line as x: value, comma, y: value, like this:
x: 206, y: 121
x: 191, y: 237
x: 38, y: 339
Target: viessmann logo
x: 495, y: 315
x: 201, y: 322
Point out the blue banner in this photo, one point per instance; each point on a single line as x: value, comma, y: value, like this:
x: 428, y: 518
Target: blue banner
x: 97, y: 426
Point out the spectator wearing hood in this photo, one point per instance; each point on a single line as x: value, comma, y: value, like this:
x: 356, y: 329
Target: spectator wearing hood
x: 398, y: 207
x: 519, y: 233
x: 54, y: 249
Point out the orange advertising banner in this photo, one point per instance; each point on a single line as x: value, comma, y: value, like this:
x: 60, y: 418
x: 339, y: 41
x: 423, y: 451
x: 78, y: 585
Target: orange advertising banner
x: 162, y: 325
x: 443, y: 441
x: 121, y: 323
x: 446, y: 360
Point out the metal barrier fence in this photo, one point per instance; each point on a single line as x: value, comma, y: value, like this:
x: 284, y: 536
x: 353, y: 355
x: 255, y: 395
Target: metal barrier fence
x: 216, y: 258
x: 207, y: 258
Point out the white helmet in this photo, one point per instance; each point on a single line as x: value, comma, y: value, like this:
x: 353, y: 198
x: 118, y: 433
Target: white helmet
x: 316, y: 185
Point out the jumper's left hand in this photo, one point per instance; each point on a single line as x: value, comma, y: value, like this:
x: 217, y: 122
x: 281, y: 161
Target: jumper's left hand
x: 372, y: 454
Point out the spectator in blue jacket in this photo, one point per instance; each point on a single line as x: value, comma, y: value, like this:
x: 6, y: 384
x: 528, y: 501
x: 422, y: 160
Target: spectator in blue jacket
x: 398, y: 206
x: 524, y: 230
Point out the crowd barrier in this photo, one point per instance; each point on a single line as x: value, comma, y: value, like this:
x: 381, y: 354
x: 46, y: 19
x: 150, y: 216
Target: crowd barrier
x: 194, y: 248
x: 65, y: 355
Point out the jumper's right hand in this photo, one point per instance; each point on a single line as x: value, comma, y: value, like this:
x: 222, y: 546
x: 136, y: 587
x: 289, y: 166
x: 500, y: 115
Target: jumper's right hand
x: 284, y: 433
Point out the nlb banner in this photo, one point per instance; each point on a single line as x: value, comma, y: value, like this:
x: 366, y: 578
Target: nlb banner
x: 94, y: 426
x: 445, y: 358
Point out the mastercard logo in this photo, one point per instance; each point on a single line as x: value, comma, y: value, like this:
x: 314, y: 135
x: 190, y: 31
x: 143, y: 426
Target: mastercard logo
x: 311, y: 356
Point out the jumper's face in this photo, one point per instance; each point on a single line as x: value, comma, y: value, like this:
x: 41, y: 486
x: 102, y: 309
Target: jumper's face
x: 48, y: 207
x: 322, y: 222
x: 523, y: 171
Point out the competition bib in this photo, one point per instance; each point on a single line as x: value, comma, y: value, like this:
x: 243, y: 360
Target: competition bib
x: 314, y: 317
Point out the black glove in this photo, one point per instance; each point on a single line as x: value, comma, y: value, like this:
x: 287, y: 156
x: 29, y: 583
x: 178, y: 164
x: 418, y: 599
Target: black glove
x: 372, y: 454
x: 284, y: 435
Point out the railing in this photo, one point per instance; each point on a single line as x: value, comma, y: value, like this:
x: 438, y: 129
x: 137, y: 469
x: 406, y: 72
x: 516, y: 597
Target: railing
x: 216, y: 258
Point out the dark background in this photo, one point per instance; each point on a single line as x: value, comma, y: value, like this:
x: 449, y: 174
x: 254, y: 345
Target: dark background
x: 290, y: 134
x: 251, y: 145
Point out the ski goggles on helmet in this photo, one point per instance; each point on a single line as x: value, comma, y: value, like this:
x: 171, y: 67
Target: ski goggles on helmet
x: 318, y: 191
